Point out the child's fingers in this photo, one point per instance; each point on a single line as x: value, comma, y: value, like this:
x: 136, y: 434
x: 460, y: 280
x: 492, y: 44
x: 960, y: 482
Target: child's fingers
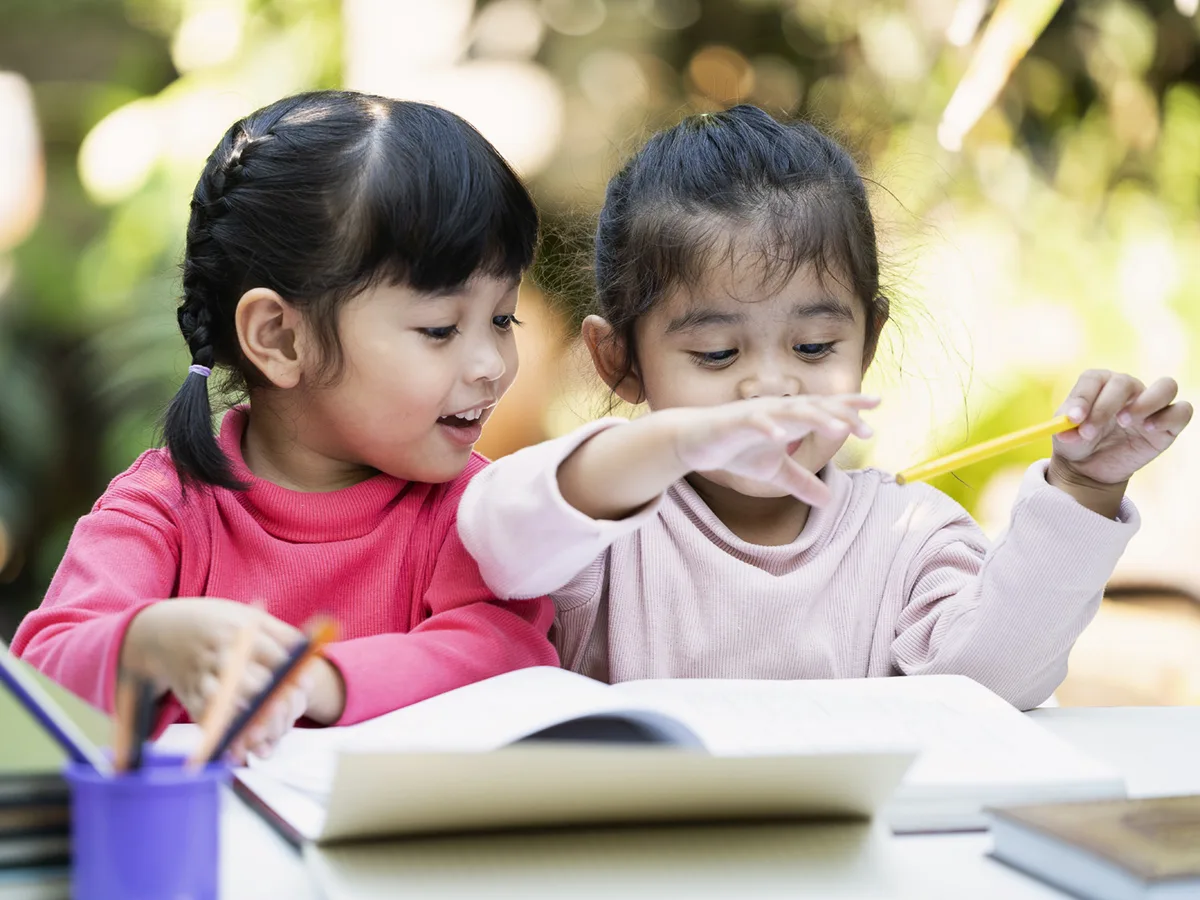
x: 777, y: 425
x: 276, y: 721
x: 857, y: 401
x: 268, y: 651
x: 799, y: 415
x: 279, y: 632
x: 1079, y: 402
x: 237, y: 752
x: 1159, y: 395
x: 1118, y: 390
x: 295, y: 704
x: 764, y: 425
x: 801, y: 483
x: 254, y: 681
x: 207, y: 686
x: 1169, y: 421
x: 847, y: 413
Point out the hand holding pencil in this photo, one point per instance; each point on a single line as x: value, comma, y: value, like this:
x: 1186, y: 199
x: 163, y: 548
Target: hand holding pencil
x: 1123, y: 425
x: 1110, y: 426
x: 186, y: 644
x: 227, y: 726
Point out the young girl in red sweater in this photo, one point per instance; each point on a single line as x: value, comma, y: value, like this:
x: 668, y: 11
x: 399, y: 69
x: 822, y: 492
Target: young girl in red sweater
x: 352, y: 262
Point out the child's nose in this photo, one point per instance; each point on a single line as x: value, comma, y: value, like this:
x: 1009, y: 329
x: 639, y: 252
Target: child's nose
x: 769, y: 382
x: 488, y: 363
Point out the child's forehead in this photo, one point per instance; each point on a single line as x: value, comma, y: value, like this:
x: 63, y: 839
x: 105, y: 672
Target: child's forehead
x: 744, y: 287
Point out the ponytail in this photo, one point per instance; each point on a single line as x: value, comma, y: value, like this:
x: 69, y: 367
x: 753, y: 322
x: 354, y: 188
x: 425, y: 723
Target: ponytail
x: 187, y: 426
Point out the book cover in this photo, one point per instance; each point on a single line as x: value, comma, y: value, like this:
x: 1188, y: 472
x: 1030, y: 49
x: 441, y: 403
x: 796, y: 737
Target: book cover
x: 1154, y: 839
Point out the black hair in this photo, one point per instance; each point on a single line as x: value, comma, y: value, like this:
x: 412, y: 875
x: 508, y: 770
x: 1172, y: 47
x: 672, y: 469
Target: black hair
x: 681, y: 201
x: 318, y: 197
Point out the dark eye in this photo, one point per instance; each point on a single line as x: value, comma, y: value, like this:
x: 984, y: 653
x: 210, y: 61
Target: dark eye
x: 715, y: 358
x: 813, y: 350
x: 440, y: 334
x: 505, y: 323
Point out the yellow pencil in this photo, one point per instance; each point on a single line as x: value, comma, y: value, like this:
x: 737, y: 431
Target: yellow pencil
x: 983, y: 451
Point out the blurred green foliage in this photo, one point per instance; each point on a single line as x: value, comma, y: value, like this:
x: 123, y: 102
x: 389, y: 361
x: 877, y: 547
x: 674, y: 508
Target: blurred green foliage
x: 1064, y: 234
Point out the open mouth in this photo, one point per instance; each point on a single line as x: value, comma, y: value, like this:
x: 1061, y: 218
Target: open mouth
x: 469, y: 418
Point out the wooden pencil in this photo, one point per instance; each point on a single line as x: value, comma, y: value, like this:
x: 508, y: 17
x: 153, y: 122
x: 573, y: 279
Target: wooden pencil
x: 123, y: 714
x: 223, y: 705
x: 986, y: 450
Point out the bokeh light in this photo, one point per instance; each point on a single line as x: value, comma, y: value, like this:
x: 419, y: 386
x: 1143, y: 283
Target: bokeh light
x: 22, y: 172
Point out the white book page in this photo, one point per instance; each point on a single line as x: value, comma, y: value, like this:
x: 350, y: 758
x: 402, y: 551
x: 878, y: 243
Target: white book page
x: 477, y: 718
x: 966, y: 735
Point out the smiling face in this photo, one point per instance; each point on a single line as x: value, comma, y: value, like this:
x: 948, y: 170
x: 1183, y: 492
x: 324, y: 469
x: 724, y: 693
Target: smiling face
x: 730, y: 336
x: 421, y: 374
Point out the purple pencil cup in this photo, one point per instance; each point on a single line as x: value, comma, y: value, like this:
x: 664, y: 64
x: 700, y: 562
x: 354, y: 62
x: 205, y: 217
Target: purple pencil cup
x: 150, y: 834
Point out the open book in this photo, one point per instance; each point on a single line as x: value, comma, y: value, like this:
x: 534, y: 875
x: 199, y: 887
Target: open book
x: 575, y: 751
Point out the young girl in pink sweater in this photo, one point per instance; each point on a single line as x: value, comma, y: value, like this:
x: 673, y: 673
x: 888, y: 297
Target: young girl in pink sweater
x: 714, y: 537
x: 353, y: 262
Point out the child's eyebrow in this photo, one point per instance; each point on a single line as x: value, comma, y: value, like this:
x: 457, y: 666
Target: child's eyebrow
x: 699, y: 318
x: 826, y: 307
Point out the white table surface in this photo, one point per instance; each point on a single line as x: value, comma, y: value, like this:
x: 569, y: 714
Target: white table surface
x: 1156, y: 748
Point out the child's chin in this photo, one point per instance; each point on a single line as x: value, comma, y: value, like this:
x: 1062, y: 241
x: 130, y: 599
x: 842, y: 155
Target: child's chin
x: 747, y: 487
x: 428, y: 472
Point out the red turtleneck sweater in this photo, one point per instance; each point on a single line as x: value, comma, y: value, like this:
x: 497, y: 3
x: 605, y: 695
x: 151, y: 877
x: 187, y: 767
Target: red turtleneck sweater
x: 383, y: 558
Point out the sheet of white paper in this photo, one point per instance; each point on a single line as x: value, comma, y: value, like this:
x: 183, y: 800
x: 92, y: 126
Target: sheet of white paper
x: 179, y: 739
x: 967, y: 735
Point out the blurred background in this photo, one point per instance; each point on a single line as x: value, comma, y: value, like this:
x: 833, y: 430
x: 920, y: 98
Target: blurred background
x: 1037, y: 183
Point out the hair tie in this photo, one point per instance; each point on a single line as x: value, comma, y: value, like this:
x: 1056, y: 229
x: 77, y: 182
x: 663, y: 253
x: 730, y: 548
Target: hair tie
x: 200, y: 370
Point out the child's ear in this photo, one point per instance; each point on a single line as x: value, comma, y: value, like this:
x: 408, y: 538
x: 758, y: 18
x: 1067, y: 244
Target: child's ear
x: 610, y: 356
x: 270, y: 332
x: 877, y: 317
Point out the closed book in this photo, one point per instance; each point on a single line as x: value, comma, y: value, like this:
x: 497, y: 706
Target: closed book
x: 31, y: 761
x: 35, y: 850
x: 1106, y: 850
x: 42, y: 818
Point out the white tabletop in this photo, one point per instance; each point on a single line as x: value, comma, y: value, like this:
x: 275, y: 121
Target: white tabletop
x: 1157, y: 749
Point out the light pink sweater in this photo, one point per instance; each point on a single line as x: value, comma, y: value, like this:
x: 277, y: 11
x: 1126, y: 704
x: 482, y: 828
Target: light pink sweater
x: 885, y: 580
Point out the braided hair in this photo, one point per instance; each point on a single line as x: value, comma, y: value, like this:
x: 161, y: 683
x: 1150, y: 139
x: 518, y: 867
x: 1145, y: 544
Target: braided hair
x: 318, y: 197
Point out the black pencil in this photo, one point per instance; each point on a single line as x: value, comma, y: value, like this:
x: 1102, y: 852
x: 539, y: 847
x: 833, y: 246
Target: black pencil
x: 143, y: 721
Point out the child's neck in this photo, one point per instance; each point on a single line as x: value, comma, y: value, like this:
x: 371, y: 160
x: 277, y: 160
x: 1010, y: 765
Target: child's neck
x: 274, y: 451
x: 767, y: 521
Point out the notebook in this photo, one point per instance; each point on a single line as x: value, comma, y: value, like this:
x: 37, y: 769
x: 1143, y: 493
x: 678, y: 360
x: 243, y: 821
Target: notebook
x: 34, y: 800
x: 30, y: 759
x: 1109, y: 850
x: 575, y: 751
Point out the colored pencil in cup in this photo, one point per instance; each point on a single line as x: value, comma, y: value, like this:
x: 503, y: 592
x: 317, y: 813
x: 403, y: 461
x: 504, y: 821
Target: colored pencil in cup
x: 303, y: 653
x: 124, y: 712
x: 986, y: 450
x: 221, y: 710
x: 143, y: 720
